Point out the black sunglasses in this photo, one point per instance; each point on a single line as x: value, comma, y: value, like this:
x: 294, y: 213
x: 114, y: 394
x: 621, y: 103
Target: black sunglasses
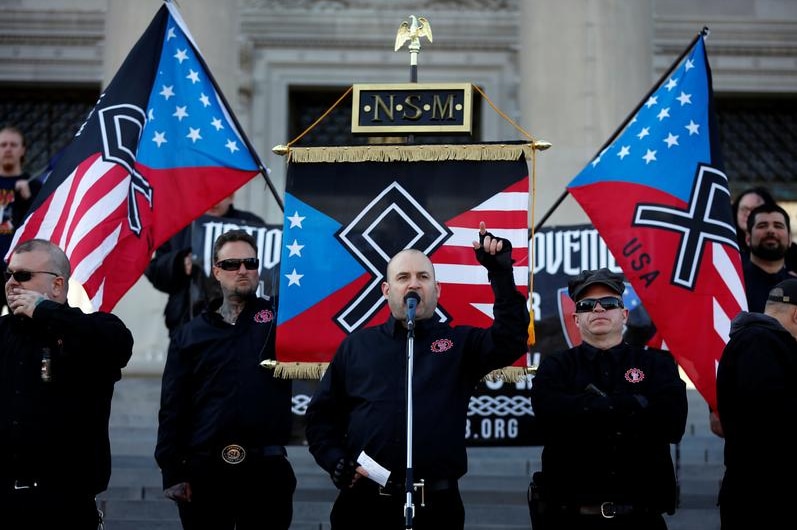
x: 24, y: 276
x: 234, y: 264
x: 607, y: 302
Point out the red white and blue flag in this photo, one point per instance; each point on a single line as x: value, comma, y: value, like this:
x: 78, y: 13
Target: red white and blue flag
x: 158, y: 149
x: 344, y: 221
x: 658, y: 196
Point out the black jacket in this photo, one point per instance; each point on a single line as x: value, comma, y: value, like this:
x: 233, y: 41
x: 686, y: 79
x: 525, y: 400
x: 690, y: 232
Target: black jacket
x: 756, y: 401
x: 57, y: 432
x: 360, y: 401
x: 614, y: 447
x: 215, y: 392
x: 188, y: 295
x: 758, y: 283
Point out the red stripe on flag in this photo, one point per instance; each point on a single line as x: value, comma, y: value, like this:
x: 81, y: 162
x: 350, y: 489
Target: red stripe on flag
x: 494, y: 219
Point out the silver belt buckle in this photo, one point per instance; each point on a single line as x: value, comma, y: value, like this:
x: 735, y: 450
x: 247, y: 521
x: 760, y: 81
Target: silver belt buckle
x: 233, y: 454
x: 18, y: 485
x: 607, y: 510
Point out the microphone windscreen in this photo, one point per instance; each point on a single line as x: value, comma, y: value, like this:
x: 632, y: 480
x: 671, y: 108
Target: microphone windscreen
x: 412, y: 295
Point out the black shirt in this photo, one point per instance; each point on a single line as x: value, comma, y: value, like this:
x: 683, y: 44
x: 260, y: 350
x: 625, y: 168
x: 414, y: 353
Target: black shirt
x: 56, y: 432
x: 612, y: 447
x: 215, y: 392
x: 360, y: 402
x: 758, y: 283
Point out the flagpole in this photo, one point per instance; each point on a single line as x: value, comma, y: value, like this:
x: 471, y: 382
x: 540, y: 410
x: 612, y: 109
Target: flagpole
x: 675, y: 63
x: 411, y: 31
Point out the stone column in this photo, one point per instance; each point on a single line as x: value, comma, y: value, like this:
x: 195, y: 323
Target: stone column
x: 584, y: 65
x: 213, y: 24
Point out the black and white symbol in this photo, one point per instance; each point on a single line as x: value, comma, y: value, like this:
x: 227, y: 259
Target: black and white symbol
x: 707, y: 218
x: 391, y: 222
x: 121, y: 127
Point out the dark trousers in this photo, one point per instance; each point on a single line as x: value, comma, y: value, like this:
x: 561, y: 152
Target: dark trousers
x: 363, y: 508
x: 45, y: 509
x: 751, y: 503
x: 255, y: 494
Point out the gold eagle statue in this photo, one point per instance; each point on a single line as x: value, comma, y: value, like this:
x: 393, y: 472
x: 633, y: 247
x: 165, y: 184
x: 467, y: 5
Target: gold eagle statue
x: 413, y: 31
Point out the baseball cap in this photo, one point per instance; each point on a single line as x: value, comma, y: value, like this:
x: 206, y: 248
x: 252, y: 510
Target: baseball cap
x: 604, y: 276
x: 784, y: 292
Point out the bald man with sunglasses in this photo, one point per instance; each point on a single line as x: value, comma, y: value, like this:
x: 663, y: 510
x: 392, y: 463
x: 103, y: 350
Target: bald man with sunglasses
x: 58, y: 368
x: 607, y: 412
x: 224, y: 420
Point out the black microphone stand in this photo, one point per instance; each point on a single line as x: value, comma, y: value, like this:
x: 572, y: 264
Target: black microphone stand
x: 409, y: 508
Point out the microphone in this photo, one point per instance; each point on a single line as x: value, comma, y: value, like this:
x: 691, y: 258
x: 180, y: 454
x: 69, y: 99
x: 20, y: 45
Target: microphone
x: 411, y: 299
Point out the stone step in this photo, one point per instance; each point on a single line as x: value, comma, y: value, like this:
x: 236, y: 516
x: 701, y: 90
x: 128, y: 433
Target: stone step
x: 162, y: 515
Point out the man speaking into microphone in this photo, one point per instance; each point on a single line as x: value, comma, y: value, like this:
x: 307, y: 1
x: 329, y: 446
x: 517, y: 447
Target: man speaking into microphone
x: 411, y: 299
x: 358, y: 411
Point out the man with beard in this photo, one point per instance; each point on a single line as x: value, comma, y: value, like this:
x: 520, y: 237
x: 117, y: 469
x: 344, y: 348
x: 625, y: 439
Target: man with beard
x: 224, y: 420
x: 768, y: 236
x: 178, y: 270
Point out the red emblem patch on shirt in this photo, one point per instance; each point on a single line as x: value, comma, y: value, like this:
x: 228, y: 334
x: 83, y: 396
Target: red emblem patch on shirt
x: 634, y: 375
x: 264, y: 316
x: 441, y: 345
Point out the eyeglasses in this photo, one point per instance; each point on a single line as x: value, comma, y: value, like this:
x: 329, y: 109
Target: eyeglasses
x: 234, y: 264
x: 24, y: 276
x: 607, y: 302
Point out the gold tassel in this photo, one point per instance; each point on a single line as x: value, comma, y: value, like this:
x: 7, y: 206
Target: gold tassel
x: 532, y: 337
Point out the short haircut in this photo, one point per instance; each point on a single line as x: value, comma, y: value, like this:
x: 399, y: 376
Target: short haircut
x: 228, y: 237
x: 407, y: 251
x: 767, y: 208
x: 17, y: 130
x: 58, y: 258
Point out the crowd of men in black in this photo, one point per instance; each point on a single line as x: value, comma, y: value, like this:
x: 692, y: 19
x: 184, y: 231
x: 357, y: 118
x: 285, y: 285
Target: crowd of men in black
x: 608, y: 410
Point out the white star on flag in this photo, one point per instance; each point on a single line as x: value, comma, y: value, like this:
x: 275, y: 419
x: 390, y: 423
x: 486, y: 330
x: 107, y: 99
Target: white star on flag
x: 295, y: 249
x: 293, y: 278
x: 296, y: 220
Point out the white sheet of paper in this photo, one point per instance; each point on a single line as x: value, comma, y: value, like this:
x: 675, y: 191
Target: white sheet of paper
x: 376, y: 472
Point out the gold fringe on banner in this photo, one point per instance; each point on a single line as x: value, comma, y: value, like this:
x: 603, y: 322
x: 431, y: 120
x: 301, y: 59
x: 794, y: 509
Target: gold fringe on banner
x: 410, y: 153
x: 297, y: 370
x: 510, y: 374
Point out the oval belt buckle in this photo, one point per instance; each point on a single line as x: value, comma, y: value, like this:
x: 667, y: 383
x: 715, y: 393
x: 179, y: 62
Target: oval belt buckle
x: 233, y: 454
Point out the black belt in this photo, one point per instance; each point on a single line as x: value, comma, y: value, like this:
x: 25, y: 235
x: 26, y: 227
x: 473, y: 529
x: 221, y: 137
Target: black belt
x: 609, y: 510
x: 235, y: 454
x: 397, y: 488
